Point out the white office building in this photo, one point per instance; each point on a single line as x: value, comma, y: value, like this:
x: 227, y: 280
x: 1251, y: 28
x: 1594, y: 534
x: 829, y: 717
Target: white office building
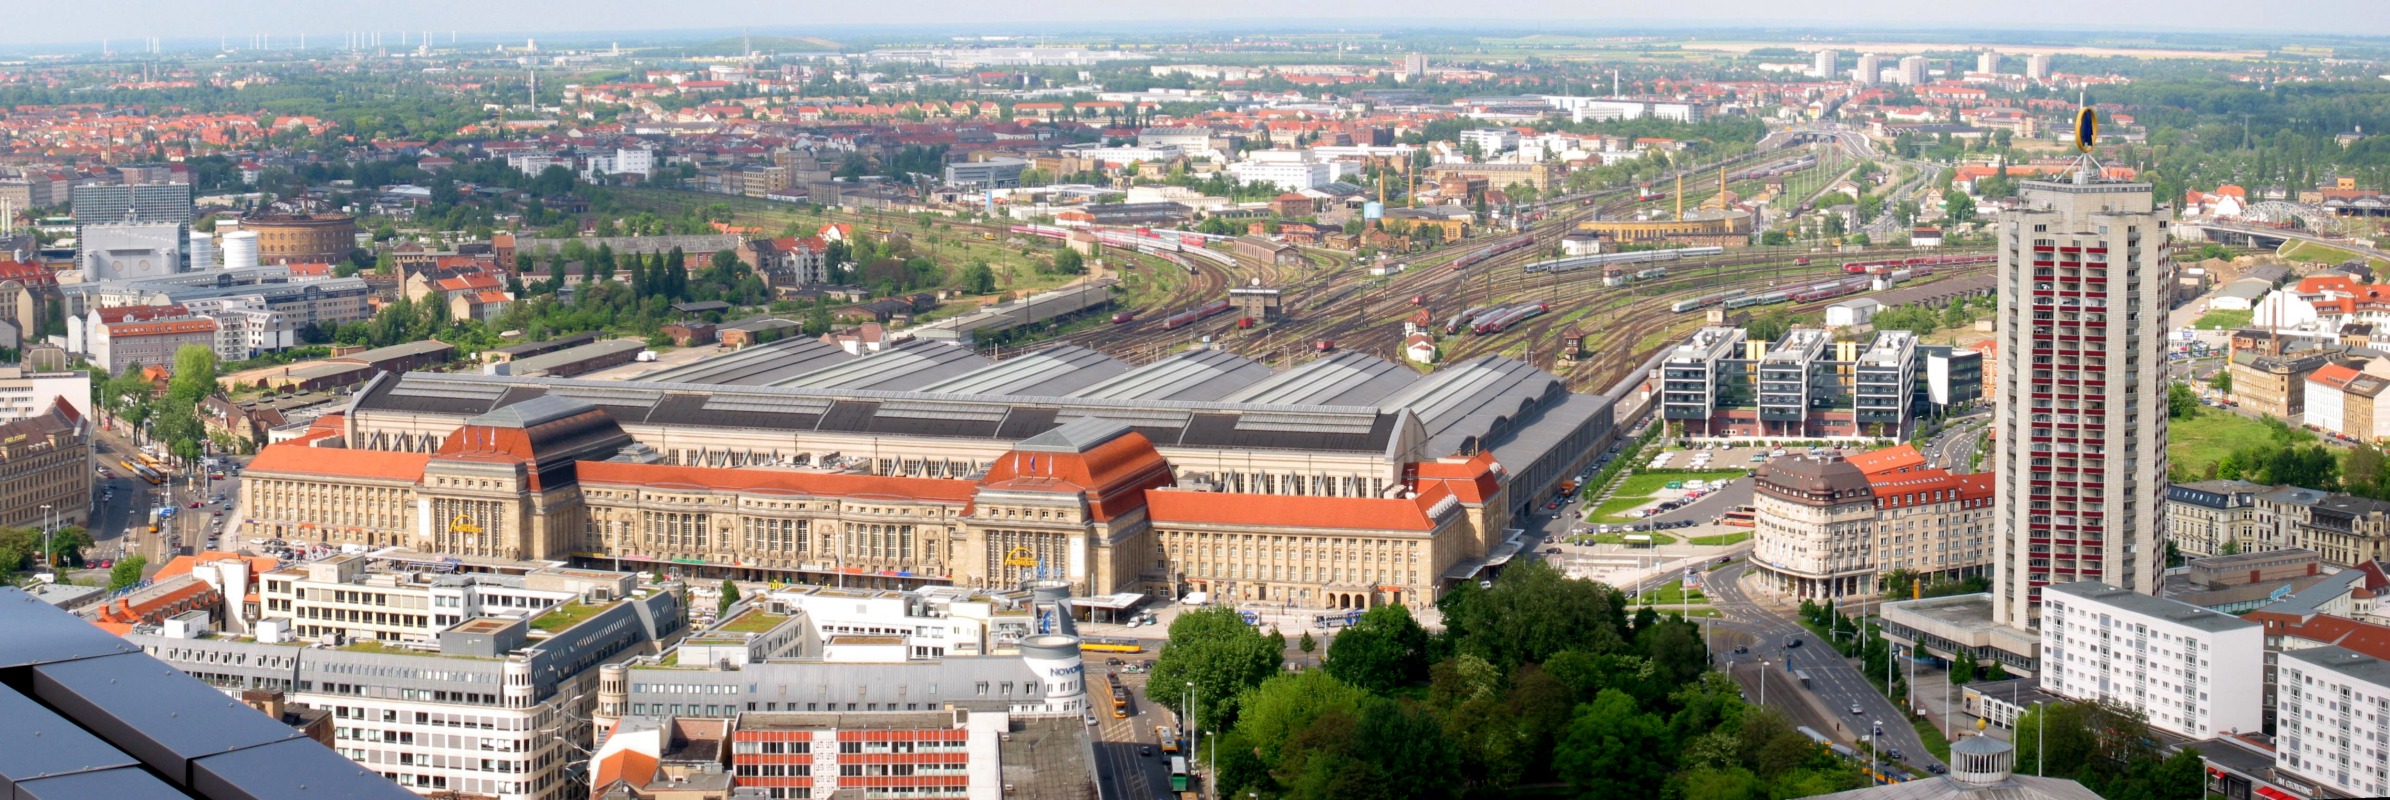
x: 2192, y: 671
x: 1490, y: 141
x: 2333, y: 726
x: 1291, y: 174
x: 26, y: 392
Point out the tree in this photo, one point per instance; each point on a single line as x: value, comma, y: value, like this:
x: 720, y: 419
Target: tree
x: 1287, y: 703
x: 1612, y: 749
x: 126, y: 572
x: 1532, y: 613
x: 2181, y: 402
x: 1675, y: 650
x: 1307, y: 644
x: 1069, y: 262
x: 730, y: 597
x: 1384, y: 650
x: 2222, y: 381
x: 979, y: 279
x: 1214, y: 649
x: 1962, y: 671
x: 1769, y: 326
x: 1958, y: 207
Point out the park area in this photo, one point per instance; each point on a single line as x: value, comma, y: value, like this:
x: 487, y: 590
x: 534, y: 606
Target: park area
x: 1650, y: 487
x: 2193, y: 444
x: 2225, y: 319
x: 2324, y: 254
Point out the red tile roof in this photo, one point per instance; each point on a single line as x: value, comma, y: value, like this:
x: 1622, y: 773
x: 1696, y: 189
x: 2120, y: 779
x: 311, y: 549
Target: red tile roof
x: 1295, y: 511
x: 817, y: 484
x: 1898, y: 458
x: 2363, y: 637
x: 2336, y: 376
x: 1113, y: 476
x: 1475, y: 480
x: 295, y: 458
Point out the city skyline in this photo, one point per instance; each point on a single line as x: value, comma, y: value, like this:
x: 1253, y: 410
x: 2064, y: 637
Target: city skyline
x: 324, y: 25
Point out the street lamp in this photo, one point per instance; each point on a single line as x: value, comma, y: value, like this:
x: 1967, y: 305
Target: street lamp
x: 2041, y: 760
x: 1763, y: 681
x: 48, y: 556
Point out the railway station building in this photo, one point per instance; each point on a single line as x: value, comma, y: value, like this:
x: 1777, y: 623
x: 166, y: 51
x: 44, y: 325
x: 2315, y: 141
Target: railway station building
x: 1347, y: 482
x: 1705, y: 227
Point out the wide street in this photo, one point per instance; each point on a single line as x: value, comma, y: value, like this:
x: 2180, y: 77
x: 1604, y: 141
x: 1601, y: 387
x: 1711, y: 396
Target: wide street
x: 1834, y: 682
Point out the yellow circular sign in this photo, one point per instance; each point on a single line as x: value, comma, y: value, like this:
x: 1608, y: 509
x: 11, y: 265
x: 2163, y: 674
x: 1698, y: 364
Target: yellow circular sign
x: 2087, y: 129
x: 462, y: 524
x: 1020, y: 557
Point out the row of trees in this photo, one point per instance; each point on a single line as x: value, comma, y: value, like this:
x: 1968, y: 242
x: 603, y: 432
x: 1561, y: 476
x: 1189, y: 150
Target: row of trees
x: 1540, y: 683
x: 171, y: 418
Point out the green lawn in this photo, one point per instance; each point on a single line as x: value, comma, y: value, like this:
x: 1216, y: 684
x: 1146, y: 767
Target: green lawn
x: 565, y: 616
x: 1657, y: 538
x: 2225, y: 319
x: 1670, y: 594
x: 2208, y: 438
x: 1649, y: 483
x: 1614, y: 509
x: 1720, y: 540
x: 754, y: 621
x: 2310, y: 251
x: 1934, y: 742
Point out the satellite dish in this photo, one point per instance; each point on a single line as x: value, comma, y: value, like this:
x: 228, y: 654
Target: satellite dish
x: 2087, y: 129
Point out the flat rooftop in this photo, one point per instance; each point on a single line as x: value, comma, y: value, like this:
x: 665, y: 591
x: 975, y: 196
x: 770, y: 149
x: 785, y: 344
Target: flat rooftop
x: 2350, y: 663
x: 2176, y: 612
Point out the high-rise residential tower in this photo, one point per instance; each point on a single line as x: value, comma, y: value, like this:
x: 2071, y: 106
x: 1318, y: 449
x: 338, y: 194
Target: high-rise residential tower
x: 2081, y: 398
x: 1828, y: 63
x: 1871, y: 69
x: 1988, y: 62
x: 1912, y: 71
x: 2037, y: 66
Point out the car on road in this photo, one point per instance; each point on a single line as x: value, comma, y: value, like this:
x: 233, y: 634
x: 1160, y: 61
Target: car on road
x: 1792, y: 641
x: 1896, y: 754
x: 1145, y: 750
x: 1741, y: 650
x: 1115, y: 661
x: 1936, y: 768
x: 1856, y: 710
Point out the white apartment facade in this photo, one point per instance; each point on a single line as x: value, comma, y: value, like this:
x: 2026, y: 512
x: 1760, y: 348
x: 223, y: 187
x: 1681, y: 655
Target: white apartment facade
x: 25, y: 392
x: 2333, y: 725
x: 1490, y: 141
x: 2080, y: 399
x: 2191, y: 671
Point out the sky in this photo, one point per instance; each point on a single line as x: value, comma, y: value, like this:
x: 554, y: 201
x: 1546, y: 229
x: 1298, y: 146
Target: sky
x: 75, y: 23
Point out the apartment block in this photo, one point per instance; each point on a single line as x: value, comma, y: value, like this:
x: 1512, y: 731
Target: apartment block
x: 1721, y: 383
x: 2334, y: 725
x: 2187, y: 669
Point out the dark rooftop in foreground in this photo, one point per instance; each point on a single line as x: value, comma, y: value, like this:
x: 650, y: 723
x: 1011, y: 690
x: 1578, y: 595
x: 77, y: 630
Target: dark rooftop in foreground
x: 89, y: 715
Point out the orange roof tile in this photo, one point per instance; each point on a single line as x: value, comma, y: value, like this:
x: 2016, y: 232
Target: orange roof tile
x: 1293, y: 511
x: 1898, y: 458
x: 339, y: 462
x: 2334, y: 375
x: 824, y: 484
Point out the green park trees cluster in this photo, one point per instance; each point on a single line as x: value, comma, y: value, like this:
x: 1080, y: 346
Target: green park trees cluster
x: 173, y: 417
x: 20, y: 548
x: 1540, y: 683
x: 2108, y: 749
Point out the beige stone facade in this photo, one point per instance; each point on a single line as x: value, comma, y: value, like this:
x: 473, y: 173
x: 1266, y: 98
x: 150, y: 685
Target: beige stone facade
x: 45, y: 460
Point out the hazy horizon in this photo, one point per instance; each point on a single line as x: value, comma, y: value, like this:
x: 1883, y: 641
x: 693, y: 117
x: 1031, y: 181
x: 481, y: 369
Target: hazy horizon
x: 325, y: 24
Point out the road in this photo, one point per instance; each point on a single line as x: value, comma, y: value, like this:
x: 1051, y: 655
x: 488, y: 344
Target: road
x: 124, y: 519
x: 1955, y: 446
x: 1834, y: 682
x: 1122, y: 766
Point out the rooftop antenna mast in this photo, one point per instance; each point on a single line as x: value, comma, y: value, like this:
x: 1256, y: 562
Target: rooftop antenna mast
x: 2087, y: 129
